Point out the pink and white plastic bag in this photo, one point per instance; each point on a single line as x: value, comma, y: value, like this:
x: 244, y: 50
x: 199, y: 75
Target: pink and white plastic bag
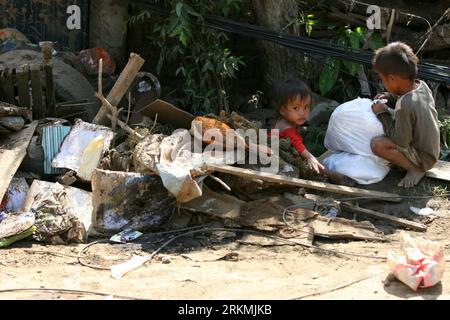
x: 422, y: 264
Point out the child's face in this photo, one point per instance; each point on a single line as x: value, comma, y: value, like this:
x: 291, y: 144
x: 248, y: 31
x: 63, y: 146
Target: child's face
x: 297, y: 111
x: 389, y: 82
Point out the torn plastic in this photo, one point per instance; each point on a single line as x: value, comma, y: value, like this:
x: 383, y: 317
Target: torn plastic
x: 75, y: 144
x: 14, y: 198
x: 422, y: 263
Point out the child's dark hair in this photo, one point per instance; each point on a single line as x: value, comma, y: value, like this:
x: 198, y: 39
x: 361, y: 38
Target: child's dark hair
x: 396, y: 58
x: 291, y: 89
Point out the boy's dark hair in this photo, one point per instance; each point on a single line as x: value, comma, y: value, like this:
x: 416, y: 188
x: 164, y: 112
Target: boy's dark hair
x: 291, y: 89
x: 396, y: 58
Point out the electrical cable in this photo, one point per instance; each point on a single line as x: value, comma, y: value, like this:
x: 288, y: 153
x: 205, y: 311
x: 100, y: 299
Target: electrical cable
x: 426, y: 70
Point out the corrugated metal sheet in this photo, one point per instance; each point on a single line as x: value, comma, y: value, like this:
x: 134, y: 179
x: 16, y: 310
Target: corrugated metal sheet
x: 45, y: 20
x: 52, y: 140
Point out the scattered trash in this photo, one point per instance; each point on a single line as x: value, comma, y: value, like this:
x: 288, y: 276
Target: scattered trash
x: 126, y: 236
x: 422, y: 263
x: 16, y: 223
x: 129, y: 200
x: 75, y: 144
x: 210, y: 256
x: 67, y: 179
x: 332, y: 213
x: 6, y: 242
x: 52, y: 139
x: 60, y: 210
x: 14, y: 198
x: 91, y: 158
x: 54, y: 221
x: 423, y: 212
x: 90, y: 59
x: 334, y: 228
x: 166, y: 260
x: 119, y: 270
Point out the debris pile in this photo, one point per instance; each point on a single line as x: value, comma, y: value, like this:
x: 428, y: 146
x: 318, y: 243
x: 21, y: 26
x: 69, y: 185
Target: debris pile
x: 150, y: 166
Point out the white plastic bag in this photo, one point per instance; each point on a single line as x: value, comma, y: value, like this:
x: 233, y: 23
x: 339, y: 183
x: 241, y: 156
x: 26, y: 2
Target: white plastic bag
x: 351, y: 129
x: 362, y: 169
x: 422, y: 263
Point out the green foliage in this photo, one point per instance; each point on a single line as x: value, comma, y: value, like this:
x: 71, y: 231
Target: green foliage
x: 333, y: 71
x: 314, y: 139
x: 304, y: 22
x: 201, y: 55
x: 329, y: 75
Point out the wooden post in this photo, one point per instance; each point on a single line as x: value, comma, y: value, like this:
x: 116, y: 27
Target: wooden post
x: 23, y: 86
x: 120, y: 87
x: 47, y: 52
x: 50, y: 90
x: 8, y: 86
x: 38, y: 103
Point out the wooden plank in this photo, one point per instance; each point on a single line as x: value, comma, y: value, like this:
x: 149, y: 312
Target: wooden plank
x: 440, y: 171
x: 121, y: 87
x: 379, y: 215
x: 13, y: 149
x: 8, y: 85
x: 304, y: 183
x: 50, y: 90
x: 38, y: 103
x: 23, y: 86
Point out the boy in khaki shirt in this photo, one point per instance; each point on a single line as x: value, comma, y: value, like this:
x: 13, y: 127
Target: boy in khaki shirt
x: 412, y: 138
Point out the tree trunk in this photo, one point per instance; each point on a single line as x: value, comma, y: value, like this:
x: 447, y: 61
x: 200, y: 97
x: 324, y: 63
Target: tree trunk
x: 278, y: 63
x: 108, y: 27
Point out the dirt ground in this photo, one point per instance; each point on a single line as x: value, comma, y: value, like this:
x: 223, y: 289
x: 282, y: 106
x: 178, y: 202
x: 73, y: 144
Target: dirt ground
x: 192, y: 267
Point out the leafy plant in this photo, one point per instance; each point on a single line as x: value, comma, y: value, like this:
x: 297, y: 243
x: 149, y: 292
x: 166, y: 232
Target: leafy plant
x: 334, y: 68
x: 201, y: 55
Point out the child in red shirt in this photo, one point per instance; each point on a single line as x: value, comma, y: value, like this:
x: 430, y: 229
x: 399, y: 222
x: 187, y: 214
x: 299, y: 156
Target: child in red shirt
x: 293, y: 107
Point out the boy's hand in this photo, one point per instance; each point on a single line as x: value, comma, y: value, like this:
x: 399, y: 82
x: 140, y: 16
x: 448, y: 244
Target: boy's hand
x: 377, y: 108
x: 314, y: 164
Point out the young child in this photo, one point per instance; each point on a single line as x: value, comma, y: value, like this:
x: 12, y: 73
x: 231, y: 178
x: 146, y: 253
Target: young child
x: 412, y: 138
x: 293, y: 107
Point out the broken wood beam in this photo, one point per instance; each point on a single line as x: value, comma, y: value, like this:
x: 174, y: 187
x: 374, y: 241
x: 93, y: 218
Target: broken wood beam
x: 13, y: 149
x: 375, y: 214
x: 120, y: 88
x: 288, y: 181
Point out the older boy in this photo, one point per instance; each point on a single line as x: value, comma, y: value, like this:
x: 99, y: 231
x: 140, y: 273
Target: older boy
x: 412, y: 138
